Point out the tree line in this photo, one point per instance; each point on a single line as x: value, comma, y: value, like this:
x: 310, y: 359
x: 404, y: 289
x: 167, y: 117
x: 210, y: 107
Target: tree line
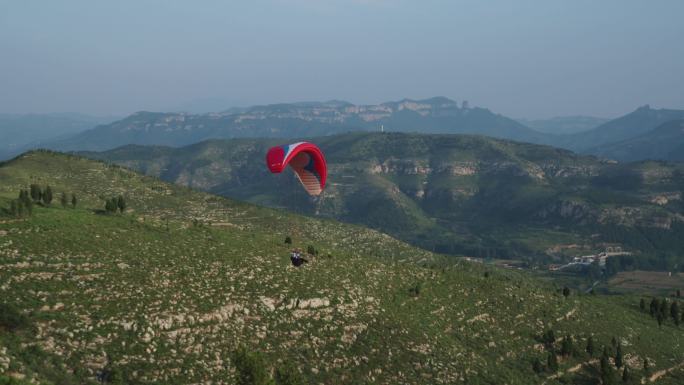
x: 23, y: 205
x: 662, y: 310
x: 115, y: 204
x: 612, y: 367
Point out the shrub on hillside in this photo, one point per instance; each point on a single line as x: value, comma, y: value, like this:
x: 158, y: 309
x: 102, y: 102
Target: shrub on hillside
x: 11, y: 318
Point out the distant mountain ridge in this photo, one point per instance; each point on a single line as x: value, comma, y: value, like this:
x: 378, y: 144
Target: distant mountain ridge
x: 564, y: 125
x: 665, y: 142
x: 434, y: 115
x: 21, y: 131
x: 638, y: 122
x: 438, y: 115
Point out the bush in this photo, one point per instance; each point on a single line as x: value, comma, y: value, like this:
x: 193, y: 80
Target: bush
x: 11, y: 318
x: 250, y: 368
x: 288, y: 375
x: 288, y: 240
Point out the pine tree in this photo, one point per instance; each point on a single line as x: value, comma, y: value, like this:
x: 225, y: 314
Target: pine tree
x: 28, y: 204
x: 566, y: 346
x: 549, y: 338
x: 63, y: 200
x: 647, y: 367
x: 552, y: 362
x: 288, y: 375
x: 121, y: 203
x: 618, y: 356
x: 607, y: 374
x: 626, y: 375
x: 660, y: 319
x: 590, y: 346
x: 664, y: 307
x: 36, y: 193
x: 654, y: 307
x: 642, y: 305
x: 566, y: 292
x: 288, y: 240
x: 537, y: 366
x: 47, y: 196
x: 250, y: 368
x: 674, y: 312
x: 74, y: 201
x: 110, y: 206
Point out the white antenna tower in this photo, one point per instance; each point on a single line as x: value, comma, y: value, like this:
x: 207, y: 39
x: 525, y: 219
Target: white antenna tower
x: 382, y: 128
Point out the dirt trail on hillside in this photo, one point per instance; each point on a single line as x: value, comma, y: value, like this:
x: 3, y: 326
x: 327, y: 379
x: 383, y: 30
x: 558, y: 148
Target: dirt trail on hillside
x: 571, y: 370
x: 655, y: 376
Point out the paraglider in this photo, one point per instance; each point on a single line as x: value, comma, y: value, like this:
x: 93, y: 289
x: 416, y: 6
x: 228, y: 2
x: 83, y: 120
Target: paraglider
x: 305, y: 159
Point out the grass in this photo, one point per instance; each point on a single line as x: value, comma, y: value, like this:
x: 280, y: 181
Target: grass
x: 167, y: 301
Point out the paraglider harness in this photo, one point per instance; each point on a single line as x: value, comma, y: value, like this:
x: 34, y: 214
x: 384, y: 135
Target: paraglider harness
x: 297, y: 259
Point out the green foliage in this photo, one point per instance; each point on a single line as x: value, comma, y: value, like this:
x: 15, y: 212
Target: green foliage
x: 414, y: 290
x: 36, y: 193
x: 607, y: 372
x: 311, y: 250
x: 566, y: 292
x: 626, y: 375
x: 11, y: 318
x: 111, y: 205
x: 121, y: 203
x: 506, y: 213
x: 96, y: 283
x: 288, y: 375
x: 674, y: 312
x: 618, y: 356
x: 47, y: 196
x: 552, y: 362
x: 63, y: 200
x: 537, y: 365
x: 654, y: 306
x: 74, y: 201
x: 548, y: 338
x: 590, y: 346
x: 567, y: 346
x: 288, y: 240
x: 251, y: 368
x: 113, y: 375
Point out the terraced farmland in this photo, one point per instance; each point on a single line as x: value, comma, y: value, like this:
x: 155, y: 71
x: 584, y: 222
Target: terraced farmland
x: 165, y: 293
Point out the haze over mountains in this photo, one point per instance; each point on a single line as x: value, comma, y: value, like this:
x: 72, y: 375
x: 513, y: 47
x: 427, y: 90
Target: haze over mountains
x: 310, y: 119
x: 19, y: 132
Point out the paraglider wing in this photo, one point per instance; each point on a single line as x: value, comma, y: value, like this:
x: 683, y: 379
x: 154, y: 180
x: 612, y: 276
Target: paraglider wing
x: 307, y: 161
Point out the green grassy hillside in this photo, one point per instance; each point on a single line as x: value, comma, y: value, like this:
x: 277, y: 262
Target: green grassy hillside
x: 452, y: 193
x: 167, y: 291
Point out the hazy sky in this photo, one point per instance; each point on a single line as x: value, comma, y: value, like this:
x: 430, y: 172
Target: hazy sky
x: 521, y: 58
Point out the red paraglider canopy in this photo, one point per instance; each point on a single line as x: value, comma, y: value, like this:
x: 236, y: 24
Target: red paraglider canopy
x: 307, y: 161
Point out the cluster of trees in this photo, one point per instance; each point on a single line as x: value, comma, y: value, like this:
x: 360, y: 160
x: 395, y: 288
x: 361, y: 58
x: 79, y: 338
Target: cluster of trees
x: 115, y: 204
x: 251, y: 369
x: 663, y: 309
x: 609, y: 372
x: 23, y: 205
